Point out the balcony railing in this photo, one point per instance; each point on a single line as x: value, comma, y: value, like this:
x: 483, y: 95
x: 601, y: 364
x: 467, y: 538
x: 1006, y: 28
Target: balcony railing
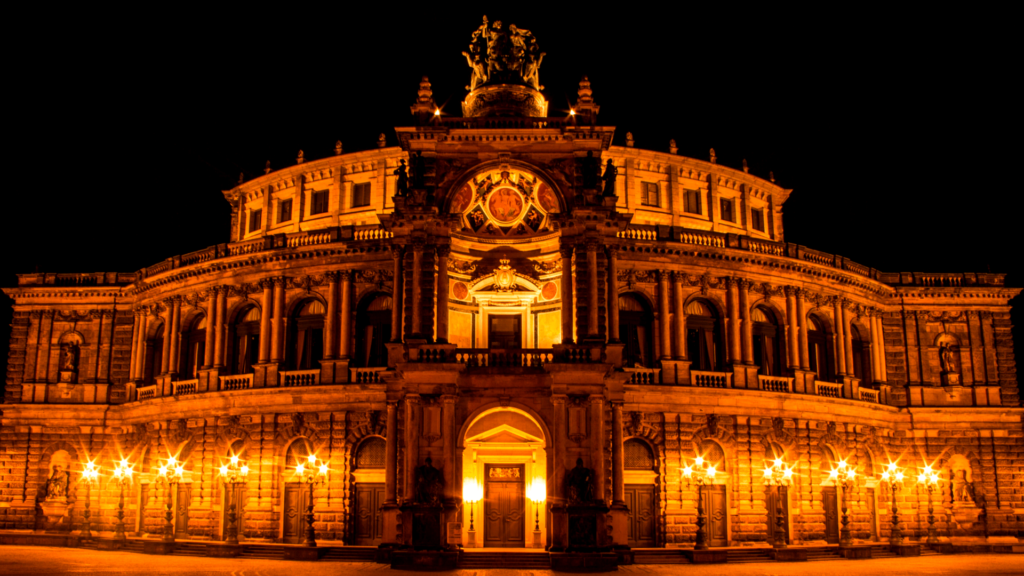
x: 300, y: 377
x: 236, y: 382
x: 146, y: 392
x: 828, y: 389
x: 869, y: 395
x: 502, y: 358
x: 645, y: 376
x: 775, y: 383
x: 366, y: 375
x: 184, y: 387
x: 711, y: 379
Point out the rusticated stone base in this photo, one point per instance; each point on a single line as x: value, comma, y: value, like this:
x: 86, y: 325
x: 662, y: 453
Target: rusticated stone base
x: 424, y: 560
x: 584, y: 561
x: 108, y: 544
x: 223, y: 550
x: 789, y: 554
x: 302, y: 553
x: 157, y: 547
x: 855, y: 552
x: 35, y: 539
x: 906, y: 549
x: 707, y: 556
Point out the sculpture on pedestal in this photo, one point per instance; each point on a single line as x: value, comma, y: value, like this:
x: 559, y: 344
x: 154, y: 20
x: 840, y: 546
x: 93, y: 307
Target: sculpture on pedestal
x: 610, y: 174
x: 429, y: 484
x: 57, y: 484
x: 402, y: 187
x: 498, y: 56
x: 580, y: 484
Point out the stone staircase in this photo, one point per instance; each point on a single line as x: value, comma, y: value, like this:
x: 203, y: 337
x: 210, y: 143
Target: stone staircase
x: 189, y: 549
x: 658, y: 556
x: 748, y: 555
x: 512, y: 560
x: 262, y: 552
x: 819, y: 553
x: 351, y: 554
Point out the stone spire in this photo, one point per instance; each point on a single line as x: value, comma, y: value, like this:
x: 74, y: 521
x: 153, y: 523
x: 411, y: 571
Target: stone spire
x: 337, y: 148
x: 300, y: 158
x: 381, y: 141
x: 714, y: 157
x: 672, y: 148
x: 745, y: 167
x: 629, y: 140
x: 585, y: 104
x: 424, y: 107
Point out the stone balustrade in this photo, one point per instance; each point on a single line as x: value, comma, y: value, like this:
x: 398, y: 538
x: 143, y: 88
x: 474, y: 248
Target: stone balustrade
x: 146, y: 392
x: 300, y: 377
x: 236, y: 382
x: 501, y: 358
x: 184, y: 387
x: 369, y: 234
x: 710, y: 379
x: 869, y: 395
x: 775, y: 383
x: 644, y: 376
x: 366, y: 375
x: 828, y: 389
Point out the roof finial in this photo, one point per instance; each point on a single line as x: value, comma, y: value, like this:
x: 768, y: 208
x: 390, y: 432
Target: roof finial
x: 771, y: 176
x: 714, y: 157
x: 424, y: 107
x: 266, y: 169
x: 629, y: 140
x: 381, y: 141
x: 585, y: 99
x: 672, y: 148
x: 337, y: 148
x: 241, y: 177
x: 300, y: 158
x: 745, y: 167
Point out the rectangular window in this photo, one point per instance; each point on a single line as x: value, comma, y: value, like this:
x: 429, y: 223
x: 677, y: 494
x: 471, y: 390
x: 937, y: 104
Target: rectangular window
x: 692, y: 200
x: 727, y: 213
x: 284, y: 211
x: 319, y: 202
x: 757, y: 220
x: 650, y: 194
x: 361, y: 195
x: 255, y: 220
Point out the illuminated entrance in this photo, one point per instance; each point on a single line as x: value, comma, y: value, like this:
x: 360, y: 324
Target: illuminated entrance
x: 504, y: 452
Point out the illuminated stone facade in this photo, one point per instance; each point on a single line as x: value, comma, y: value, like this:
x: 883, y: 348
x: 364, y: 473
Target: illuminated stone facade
x: 452, y: 298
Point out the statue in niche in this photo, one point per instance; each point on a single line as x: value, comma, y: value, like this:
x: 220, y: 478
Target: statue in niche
x: 962, y: 490
x: 402, y: 189
x: 591, y: 171
x: 429, y: 484
x: 57, y: 483
x: 580, y: 483
x: 610, y: 174
x: 947, y: 358
x: 417, y: 170
x: 70, y: 356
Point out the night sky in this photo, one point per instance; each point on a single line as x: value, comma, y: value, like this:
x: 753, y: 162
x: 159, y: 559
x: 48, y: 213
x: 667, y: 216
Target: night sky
x: 894, y: 131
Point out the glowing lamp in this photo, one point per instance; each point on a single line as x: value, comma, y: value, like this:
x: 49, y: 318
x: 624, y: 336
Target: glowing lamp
x: 699, y: 461
x: 234, y: 460
x: 711, y: 472
x: 300, y: 469
x: 767, y: 472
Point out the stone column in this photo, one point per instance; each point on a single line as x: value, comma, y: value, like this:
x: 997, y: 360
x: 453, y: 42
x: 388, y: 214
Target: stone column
x: 415, y: 290
x: 680, y: 316
x: 840, y: 337
x: 345, y: 338
x: 277, y: 323
x: 567, y: 299
x: 175, y: 334
x: 211, y: 327
x: 165, y: 354
x: 140, y: 360
x: 748, y: 324
x: 442, y: 294
x: 412, y: 444
x: 222, y: 328
x: 612, y: 299
x: 391, y: 455
x: 397, y: 255
x: 618, y: 459
x: 664, y: 315
x: 848, y: 336
x: 877, y: 348
x: 801, y: 314
x: 330, y: 322
x: 132, y: 367
x: 592, y: 300
x: 597, y: 446
x: 43, y: 351
x: 793, y: 332
x: 882, y: 369
x: 267, y: 304
x: 556, y: 487
x: 448, y: 436
x: 733, y: 305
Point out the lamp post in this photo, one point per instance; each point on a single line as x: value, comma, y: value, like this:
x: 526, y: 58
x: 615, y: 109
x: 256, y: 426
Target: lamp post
x: 844, y: 476
x: 894, y: 476
x: 122, y: 477
x: 472, y: 493
x: 537, y: 493
x: 776, y: 475
x: 313, y: 476
x: 89, y: 475
x: 233, y: 474
x: 932, y: 482
x: 171, y: 473
x: 700, y: 473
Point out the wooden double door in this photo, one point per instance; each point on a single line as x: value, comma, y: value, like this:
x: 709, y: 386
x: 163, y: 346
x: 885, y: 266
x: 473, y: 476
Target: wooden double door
x: 233, y: 495
x: 830, y: 503
x: 774, y: 496
x: 716, y: 514
x: 642, y: 515
x: 504, y: 506
x: 368, y: 525
x: 296, y: 498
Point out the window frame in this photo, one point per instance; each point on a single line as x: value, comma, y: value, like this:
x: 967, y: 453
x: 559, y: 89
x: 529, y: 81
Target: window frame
x: 757, y: 219
x: 255, y: 220
x: 356, y: 188
x: 280, y: 210
x: 687, y: 205
x: 645, y: 194
x: 317, y: 198
x: 731, y: 203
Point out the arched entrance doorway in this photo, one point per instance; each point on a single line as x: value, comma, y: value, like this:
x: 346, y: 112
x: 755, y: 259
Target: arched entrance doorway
x: 504, y: 452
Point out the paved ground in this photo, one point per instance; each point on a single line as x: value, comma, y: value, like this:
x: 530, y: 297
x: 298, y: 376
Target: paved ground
x: 33, y: 560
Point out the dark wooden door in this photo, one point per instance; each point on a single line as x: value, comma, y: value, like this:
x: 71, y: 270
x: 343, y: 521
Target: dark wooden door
x: 181, y: 516
x: 642, y: 515
x: 294, y: 512
x: 505, y: 332
x: 369, y: 522
x: 773, y: 498
x: 233, y: 495
x: 504, y: 507
x: 830, y: 503
x: 717, y: 515
x: 872, y: 515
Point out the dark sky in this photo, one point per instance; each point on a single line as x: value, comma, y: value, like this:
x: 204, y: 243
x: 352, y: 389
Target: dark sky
x: 894, y: 130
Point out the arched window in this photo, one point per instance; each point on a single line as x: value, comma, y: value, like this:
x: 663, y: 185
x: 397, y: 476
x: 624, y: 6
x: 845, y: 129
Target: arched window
x: 371, y: 453
x: 861, y: 358
x: 307, y: 335
x: 373, y: 330
x: 713, y: 454
x: 703, y: 337
x: 154, y: 354
x: 246, y: 340
x: 193, y: 348
x: 817, y: 349
x: 298, y: 453
x: 767, y: 338
x: 635, y: 321
x: 637, y: 455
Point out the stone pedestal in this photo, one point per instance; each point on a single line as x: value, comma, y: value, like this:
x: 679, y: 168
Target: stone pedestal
x: 306, y: 553
x: 55, y: 511
x: 906, y: 549
x: 789, y: 554
x: 157, y: 547
x: 706, y: 556
x: 391, y: 516
x: 619, y: 514
x: 423, y: 527
x: 855, y: 552
x: 334, y: 371
x: 745, y: 376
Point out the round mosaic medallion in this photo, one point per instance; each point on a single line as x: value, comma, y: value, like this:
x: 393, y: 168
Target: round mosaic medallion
x: 505, y: 205
x: 549, y: 291
x: 460, y: 290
